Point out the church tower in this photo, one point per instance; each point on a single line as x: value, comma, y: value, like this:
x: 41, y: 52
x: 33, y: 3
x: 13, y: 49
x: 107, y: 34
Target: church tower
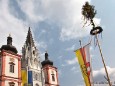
x: 50, y: 72
x: 31, y: 64
x: 10, y: 65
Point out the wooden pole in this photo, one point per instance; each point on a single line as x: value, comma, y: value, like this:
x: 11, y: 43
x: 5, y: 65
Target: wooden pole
x: 80, y: 43
x: 108, y: 79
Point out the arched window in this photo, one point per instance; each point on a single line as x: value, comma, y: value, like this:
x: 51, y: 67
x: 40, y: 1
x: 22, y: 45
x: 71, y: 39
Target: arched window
x: 33, y: 52
x: 53, y: 76
x: 11, y: 67
x: 37, y: 84
x: 11, y: 84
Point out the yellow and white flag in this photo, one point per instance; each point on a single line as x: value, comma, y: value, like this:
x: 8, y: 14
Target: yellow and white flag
x: 83, y: 56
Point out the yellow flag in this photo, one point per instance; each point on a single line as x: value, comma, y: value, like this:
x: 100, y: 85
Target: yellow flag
x: 24, y: 77
x: 81, y: 56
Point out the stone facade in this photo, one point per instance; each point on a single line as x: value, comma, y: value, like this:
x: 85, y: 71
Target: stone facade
x: 31, y: 61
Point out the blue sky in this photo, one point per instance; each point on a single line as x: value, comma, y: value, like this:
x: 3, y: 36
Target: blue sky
x: 57, y: 27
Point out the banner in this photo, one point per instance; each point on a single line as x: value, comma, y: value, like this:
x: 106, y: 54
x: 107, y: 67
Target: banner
x: 30, y: 78
x: 83, y: 56
x: 24, y: 77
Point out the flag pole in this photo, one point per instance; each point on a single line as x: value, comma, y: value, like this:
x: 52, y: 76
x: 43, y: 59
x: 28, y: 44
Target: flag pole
x: 92, y: 82
x: 80, y: 43
x: 108, y: 79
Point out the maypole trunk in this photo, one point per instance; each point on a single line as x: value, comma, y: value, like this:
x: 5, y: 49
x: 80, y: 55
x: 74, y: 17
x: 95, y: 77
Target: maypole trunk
x: 108, y: 79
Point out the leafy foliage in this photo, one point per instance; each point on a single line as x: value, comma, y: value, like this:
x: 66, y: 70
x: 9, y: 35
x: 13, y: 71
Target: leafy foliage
x: 88, y: 11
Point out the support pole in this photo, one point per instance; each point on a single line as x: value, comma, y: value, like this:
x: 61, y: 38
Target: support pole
x: 108, y: 79
x: 80, y: 43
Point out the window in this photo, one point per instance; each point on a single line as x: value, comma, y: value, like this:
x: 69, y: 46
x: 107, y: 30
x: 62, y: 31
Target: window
x: 37, y: 85
x: 11, y: 84
x: 53, y: 76
x: 11, y: 67
x: 34, y: 52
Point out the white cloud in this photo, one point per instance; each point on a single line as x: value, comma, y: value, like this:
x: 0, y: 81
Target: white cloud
x: 60, y: 73
x: 41, y: 33
x: 72, y: 48
x: 71, y: 61
x: 60, y: 57
x: 66, y: 14
x: 99, y: 74
x: 29, y: 8
x: 75, y: 30
x: 75, y: 69
x: 42, y: 45
x: 42, y: 55
x: 9, y: 24
x: 63, y: 65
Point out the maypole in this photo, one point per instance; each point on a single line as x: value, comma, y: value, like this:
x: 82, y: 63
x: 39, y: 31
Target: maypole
x: 89, y: 13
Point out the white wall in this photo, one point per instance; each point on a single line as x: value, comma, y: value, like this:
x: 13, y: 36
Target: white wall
x: 7, y: 67
x: 50, y: 72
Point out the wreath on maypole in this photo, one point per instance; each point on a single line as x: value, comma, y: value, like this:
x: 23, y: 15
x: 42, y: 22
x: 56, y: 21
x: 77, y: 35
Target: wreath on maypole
x: 89, y: 13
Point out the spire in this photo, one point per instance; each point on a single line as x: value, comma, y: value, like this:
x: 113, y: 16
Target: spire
x: 9, y: 46
x: 47, y: 61
x: 29, y: 39
x: 9, y: 40
x: 46, y: 56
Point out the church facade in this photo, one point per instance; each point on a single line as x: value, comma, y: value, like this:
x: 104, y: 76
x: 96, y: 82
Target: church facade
x: 26, y: 69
